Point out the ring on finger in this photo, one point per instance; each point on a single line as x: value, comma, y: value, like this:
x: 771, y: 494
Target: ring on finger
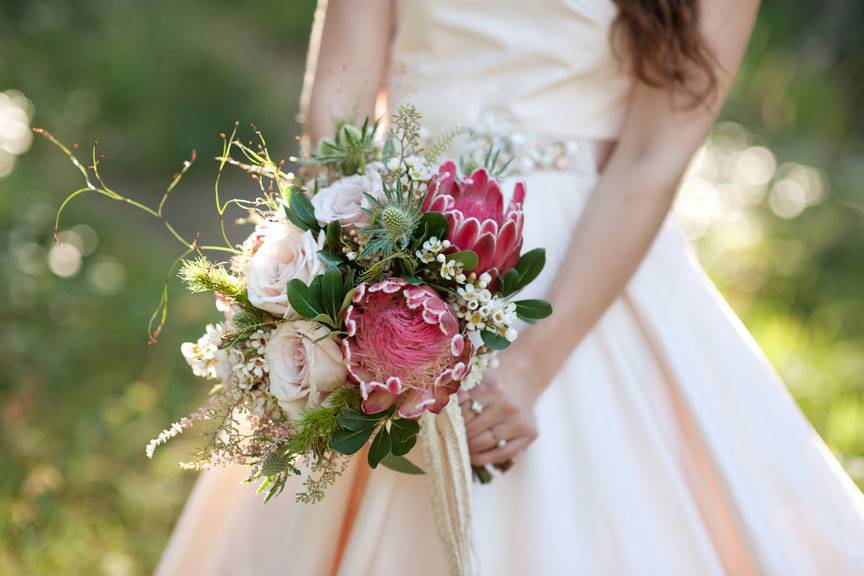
x: 499, y: 442
x: 476, y: 407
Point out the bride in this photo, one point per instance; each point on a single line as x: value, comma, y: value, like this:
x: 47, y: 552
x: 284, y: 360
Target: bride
x: 649, y: 434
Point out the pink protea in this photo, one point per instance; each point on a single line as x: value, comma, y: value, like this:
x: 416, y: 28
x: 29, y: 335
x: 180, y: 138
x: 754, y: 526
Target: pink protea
x: 403, y: 346
x: 474, y: 208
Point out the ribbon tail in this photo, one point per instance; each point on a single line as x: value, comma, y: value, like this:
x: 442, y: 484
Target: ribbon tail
x: 446, y: 448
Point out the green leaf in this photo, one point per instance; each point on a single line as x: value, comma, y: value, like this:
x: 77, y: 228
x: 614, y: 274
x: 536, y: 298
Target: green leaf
x: 302, y: 208
x: 403, y: 433
x: 532, y: 310
x: 434, y: 224
x: 494, y: 341
x: 334, y: 236
x: 468, y: 258
x: 294, y: 219
x: 413, y: 280
x: 529, y: 266
x: 510, y: 282
x: 329, y: 258
x: 401, y: 464
x: 356, y: 420
x: 380, y: 447
x: 317, y: 293
x: 331, y: 291
x: 325, y: 319
x: 346, y: 301
x: 348, y: 281
x: 350, y: 441
x: 302, y: 299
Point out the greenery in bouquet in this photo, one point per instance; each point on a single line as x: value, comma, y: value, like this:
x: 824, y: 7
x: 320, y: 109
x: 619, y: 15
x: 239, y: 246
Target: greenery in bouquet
x: 375, y: 284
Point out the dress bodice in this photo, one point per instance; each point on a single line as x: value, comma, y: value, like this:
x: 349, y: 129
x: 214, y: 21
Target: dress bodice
x: 544, y: 66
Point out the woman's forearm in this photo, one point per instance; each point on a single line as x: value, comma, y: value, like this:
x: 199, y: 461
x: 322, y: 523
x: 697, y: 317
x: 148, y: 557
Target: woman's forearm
x: 351, y: 61
x: 616, y: 230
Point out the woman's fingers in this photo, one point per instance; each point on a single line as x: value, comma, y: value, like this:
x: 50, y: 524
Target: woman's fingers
x: 508, y: 430
x: 491, y: 416
x: 482, y: 442
x: 499, y: 455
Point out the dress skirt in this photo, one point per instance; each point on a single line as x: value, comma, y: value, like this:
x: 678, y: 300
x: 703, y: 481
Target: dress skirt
x: 668, y: 446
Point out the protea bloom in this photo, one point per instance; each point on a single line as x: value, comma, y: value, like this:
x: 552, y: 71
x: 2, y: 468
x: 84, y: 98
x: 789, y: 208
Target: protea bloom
x: 403, y: 346
x: 474, y: 207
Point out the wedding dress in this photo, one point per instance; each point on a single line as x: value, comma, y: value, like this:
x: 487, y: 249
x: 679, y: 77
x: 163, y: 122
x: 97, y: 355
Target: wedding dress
x: 668, y: 446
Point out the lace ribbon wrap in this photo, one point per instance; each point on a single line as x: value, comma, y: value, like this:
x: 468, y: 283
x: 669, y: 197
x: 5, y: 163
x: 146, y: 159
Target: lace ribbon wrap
x: 445, y: 446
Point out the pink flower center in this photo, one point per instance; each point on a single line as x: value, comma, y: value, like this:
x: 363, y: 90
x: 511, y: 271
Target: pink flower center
x: 393, y: 340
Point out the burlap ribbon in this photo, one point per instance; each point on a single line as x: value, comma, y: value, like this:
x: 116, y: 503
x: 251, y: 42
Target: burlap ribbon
x: 449, y: 467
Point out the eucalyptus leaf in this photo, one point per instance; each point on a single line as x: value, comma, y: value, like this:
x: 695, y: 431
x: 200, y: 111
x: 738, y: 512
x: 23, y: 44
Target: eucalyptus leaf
x: 401, y: 464
x: 380, y: 447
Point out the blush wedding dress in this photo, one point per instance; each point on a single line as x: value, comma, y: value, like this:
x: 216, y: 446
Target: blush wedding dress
x: 668, y: 446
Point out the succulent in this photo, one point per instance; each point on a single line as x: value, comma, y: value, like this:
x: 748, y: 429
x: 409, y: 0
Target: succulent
x: 351, y: 149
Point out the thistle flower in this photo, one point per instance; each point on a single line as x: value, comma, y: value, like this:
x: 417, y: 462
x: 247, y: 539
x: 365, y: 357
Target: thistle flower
x: 404, y: 347
x: 392, y: 221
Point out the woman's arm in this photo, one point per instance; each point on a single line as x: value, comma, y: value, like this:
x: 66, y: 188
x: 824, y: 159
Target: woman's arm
x: 617, y: 227
x: 352, y: 59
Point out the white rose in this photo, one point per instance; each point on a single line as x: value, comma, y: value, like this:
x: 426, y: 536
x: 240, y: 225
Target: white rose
x: 285, y: 253
x: 304, y: 365
x: 345, y: 199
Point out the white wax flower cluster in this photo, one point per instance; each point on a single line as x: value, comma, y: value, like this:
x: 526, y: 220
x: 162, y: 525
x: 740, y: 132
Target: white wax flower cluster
x: 482, y: 310
x: 414, y: 168
x: 205, y: 357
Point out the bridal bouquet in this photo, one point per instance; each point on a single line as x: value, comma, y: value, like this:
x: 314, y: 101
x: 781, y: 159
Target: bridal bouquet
x: 374, y: 285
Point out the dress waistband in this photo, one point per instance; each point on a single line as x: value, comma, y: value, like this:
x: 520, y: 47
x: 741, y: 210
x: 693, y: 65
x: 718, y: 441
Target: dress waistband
x: 524, y: 152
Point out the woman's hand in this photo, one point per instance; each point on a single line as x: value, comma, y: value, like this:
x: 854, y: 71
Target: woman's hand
x: 499, y: 416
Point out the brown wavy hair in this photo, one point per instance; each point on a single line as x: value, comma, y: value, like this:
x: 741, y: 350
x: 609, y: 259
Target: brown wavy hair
x: 663, y: 45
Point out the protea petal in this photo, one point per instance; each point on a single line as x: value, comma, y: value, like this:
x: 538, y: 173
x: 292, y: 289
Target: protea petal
x: 474, y: 208
x: 485, y: 249
x: 489, y: 227
x: 518, y: 197
x: 378, y: 401
x: 464, y: 235
x: 507, y: 241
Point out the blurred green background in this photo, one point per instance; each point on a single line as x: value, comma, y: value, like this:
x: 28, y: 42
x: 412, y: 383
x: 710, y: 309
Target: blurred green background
x: 770, y: 203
